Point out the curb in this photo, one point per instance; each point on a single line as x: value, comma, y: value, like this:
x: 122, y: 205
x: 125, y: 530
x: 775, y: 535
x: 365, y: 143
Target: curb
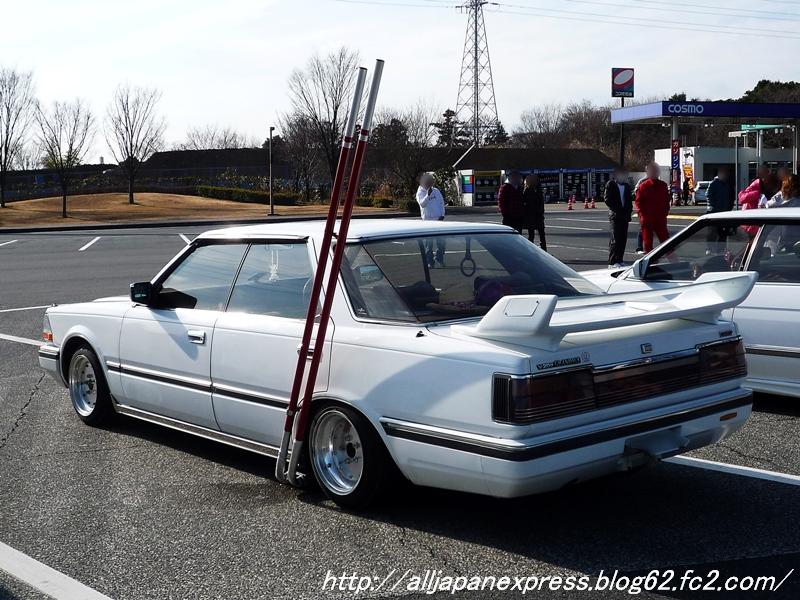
x: 189, y: 223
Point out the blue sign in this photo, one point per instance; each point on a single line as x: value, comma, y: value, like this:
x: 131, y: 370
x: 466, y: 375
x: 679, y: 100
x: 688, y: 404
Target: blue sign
x: 740, y: 110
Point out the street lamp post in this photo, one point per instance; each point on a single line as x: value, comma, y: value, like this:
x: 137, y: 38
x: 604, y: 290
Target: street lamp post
x: 271, y: 205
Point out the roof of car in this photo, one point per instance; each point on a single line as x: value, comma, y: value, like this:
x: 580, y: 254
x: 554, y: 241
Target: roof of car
x: 759, y: 214
x: 360, y: 229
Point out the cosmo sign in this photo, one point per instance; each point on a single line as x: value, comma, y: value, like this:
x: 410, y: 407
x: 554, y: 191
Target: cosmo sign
x: 685, y: 108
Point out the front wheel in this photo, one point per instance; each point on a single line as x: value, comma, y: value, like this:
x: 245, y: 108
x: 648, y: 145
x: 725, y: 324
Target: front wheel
x: 88, y: 389
x: 349, y: 460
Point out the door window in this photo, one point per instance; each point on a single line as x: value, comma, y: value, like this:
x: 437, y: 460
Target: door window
x: 777, y: 259
x: 203, y: 279
x: 718, y: 247
x: 275, y: 279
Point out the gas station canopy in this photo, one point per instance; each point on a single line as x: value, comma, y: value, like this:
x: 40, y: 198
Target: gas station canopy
x: 719, y: 112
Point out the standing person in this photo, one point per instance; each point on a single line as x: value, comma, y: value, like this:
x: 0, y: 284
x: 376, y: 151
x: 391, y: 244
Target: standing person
x: 639, y: 243
x: 652, y: 204
x: 431, y: 206
x: 686, y: 191
x: 533, y: 205
x: 719, y: 199
x: 719, y: 193
x: 618, y: 198
x: 749, y: 199
x: 510, y: 203
x: 782, y: 173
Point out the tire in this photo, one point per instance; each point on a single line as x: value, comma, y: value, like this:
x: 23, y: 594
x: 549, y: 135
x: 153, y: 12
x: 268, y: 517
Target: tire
x: 88, y: 388
x: 348, y: 458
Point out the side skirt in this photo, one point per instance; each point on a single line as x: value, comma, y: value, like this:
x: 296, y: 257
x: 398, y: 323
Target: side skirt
x: 203, y: 432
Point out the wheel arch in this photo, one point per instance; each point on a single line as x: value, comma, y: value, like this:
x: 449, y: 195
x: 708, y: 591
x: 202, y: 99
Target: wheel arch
x: 372, y: 419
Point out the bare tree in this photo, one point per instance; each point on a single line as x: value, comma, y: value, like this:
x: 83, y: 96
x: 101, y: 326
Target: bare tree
x: 298, y: 137
x: 212, y: 137
x: 134, y: 130
x: 541, y: 126
x: 402, y: 139
x: 65, y: 134
x: 17, y: 104
x: 321, y: 93
x: 27, y: 157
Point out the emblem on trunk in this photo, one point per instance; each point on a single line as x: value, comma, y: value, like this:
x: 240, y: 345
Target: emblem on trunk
x: 646, y: 348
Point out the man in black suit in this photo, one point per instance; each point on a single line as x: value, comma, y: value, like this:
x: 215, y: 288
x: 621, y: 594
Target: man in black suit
x: 619, y: 200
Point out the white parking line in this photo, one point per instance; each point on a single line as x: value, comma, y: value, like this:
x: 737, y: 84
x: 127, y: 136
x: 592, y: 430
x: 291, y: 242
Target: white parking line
x: 43, y: 578
x: 547, y: 226
x: 700, y: 463
x: 20, y: 340
x: 7, y: 243
x: 85, y: 246
x: 185, y: 239
x: 7, y: 310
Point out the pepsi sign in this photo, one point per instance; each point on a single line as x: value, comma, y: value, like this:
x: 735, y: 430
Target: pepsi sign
x: 621, y: 82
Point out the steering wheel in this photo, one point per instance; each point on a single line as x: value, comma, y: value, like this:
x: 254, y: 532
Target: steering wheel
x: 467, y: 265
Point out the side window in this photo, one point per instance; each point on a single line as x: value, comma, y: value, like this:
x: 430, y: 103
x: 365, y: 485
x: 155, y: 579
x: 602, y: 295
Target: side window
x: 275, y: 280
x: 203, y: 279
x: 777, y: 259
x: 716, y: 248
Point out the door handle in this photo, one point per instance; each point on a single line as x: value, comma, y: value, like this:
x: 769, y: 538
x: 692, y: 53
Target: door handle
x: 309, y: 353
x: 196, y: 337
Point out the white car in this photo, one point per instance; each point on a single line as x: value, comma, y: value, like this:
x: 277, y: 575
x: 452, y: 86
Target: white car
x: 766, y: 241
x: 502, y: 372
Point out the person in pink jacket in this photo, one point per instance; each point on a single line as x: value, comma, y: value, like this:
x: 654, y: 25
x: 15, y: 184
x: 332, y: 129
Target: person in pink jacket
x: 748, y: 200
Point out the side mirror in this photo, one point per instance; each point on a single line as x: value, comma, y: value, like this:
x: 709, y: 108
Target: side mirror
x: 142, y: 293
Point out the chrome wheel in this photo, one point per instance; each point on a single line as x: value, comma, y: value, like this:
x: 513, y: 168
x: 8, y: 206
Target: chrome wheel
x: 82, y: 385
x: 336, y: 452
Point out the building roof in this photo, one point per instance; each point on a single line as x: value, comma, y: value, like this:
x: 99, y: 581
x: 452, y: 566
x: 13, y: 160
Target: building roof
x: 209, y: 159
x: 495, y: 159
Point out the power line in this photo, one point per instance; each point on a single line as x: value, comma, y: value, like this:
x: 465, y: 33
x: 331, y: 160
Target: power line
x: 664, y: 24
x: 740, y: 12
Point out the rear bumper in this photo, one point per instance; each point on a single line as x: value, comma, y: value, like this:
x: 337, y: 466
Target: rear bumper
x: 49, y: 361
x: 501, y: 467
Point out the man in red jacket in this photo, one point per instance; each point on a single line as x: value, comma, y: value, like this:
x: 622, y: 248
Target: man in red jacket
x: 510, y: 203
x: 652, y: 204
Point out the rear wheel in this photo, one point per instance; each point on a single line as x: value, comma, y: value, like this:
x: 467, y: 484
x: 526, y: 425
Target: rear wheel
x: 348, y: 458
x: 88, y: 389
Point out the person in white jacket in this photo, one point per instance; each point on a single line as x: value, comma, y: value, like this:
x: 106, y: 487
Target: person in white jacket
x: 431, y: 206
x: 430, y: 199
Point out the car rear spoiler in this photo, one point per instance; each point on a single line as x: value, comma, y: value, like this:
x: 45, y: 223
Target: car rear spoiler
x: 543, y: 320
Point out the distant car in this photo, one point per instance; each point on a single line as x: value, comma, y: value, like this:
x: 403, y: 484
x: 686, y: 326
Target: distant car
x: 501, y: 371
x: 766, y: 241
x: 700, y: 195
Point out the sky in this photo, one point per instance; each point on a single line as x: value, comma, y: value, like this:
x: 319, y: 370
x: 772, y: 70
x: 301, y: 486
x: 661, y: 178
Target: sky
x: 227, y: 62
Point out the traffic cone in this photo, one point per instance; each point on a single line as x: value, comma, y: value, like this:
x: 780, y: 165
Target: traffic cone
x: 570, y: 202
x: 586, y: 202
x: 594, y: 204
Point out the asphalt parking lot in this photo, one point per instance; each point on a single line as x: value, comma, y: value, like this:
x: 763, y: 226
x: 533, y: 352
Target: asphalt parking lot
x: 135, y: 511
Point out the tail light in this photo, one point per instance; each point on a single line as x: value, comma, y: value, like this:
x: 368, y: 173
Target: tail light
x: 542, y: 397
x: 528, y: 399
x: 721, y: 361
x: 47, y: 331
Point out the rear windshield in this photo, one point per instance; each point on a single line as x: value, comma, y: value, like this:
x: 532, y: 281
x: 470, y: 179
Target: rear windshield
x: 441, y: 277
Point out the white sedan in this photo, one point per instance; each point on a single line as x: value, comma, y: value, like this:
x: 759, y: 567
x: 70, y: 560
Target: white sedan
x: 765, y: 241
x: 500, y: 371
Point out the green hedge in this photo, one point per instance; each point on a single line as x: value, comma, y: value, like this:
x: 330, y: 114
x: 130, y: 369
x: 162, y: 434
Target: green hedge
x: 245, y: 195
x: 382, y: 203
